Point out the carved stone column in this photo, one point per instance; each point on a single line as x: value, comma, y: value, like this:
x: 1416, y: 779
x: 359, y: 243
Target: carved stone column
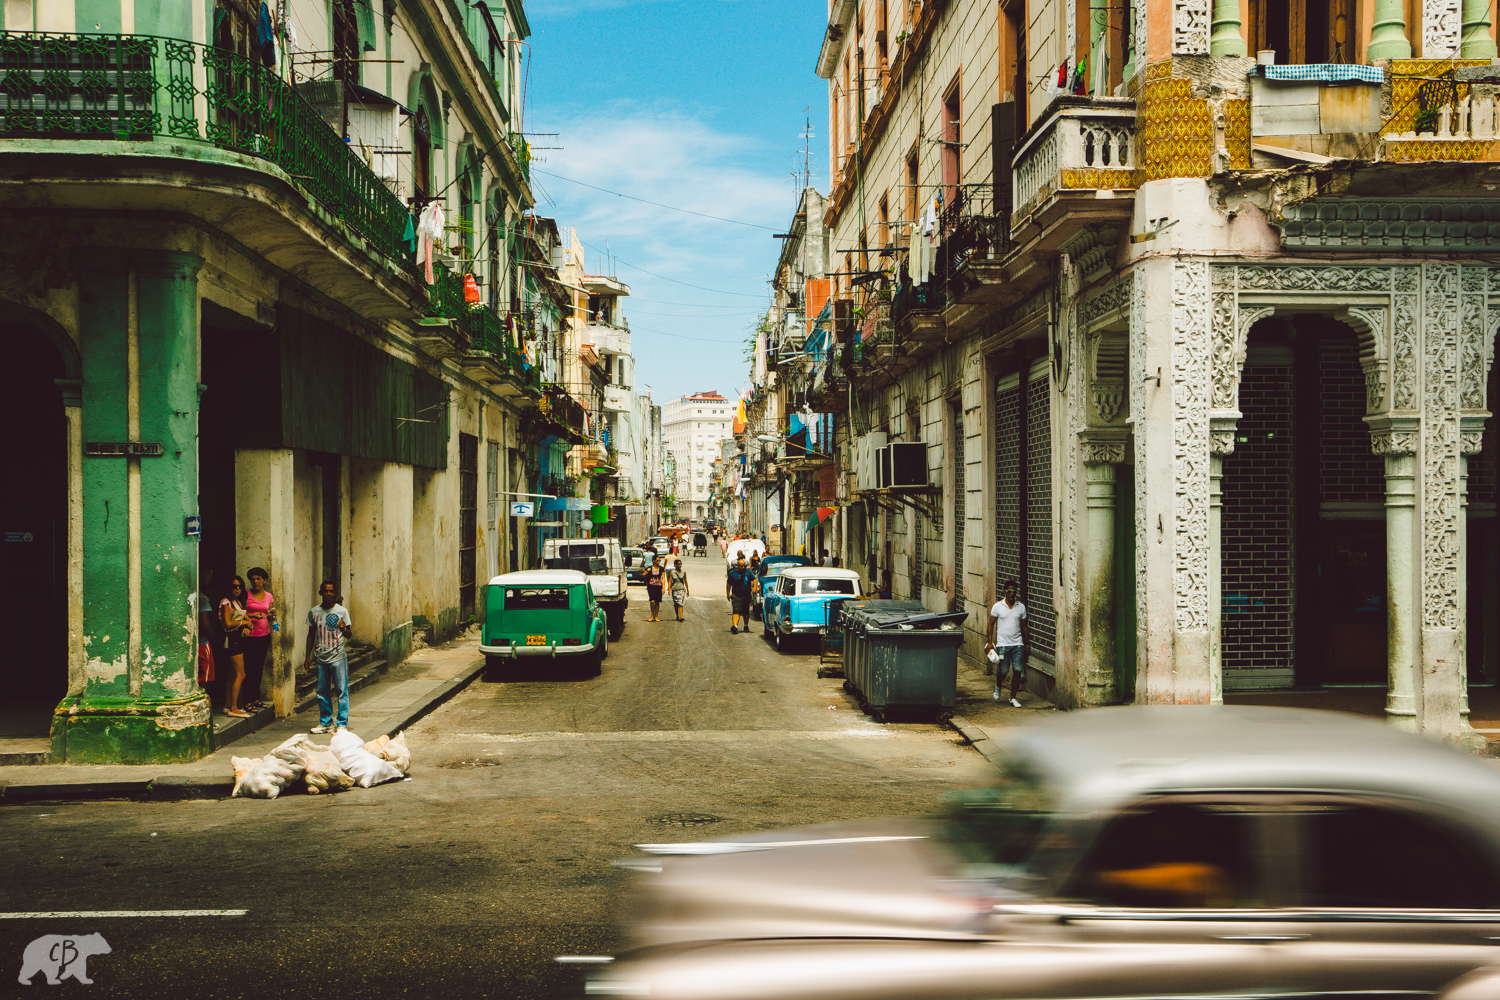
x: 1103, y: 450
x: 1398, y: 446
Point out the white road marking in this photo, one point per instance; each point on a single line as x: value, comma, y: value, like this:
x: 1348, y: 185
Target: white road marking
x: 726, y: 847
x: 91, y: 914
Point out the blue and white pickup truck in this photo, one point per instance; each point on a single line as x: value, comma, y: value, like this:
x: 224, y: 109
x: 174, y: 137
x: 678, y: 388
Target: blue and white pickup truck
x: 797, y: 603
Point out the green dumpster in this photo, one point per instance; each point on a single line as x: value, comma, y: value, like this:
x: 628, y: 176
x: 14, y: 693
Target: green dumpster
x: 856, y: 660
x: 907, y: 661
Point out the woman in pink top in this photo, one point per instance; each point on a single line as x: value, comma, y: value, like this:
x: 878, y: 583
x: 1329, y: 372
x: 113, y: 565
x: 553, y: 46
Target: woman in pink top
x: 259, y: 609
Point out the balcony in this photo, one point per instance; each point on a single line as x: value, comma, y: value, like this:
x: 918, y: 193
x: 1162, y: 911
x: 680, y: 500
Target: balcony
x: 1077, y: 166
x: 138, y: 88
x: 616, y: 399
x: 609, y: 340
x: 497, y: 349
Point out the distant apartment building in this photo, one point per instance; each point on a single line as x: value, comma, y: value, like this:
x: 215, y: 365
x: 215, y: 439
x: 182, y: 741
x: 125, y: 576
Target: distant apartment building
x: 692, y: 427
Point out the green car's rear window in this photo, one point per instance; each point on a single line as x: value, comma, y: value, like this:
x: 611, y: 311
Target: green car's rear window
x: 537, y: 598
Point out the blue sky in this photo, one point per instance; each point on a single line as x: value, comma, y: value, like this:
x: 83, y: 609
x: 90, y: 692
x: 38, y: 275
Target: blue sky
x: 697, y: 105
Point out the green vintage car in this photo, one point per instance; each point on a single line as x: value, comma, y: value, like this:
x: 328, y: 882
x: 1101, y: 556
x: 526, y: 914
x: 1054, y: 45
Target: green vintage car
x: 545, y: 618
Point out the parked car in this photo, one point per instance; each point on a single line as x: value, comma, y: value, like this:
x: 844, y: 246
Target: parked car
x: 635, y: 564
x: 604, y: 562
x: 743, y: 546
x: 771, y: 567
x: 659, y: 544
x: 547, y: 615
x: 798, y: 602
x: 1183, y: 851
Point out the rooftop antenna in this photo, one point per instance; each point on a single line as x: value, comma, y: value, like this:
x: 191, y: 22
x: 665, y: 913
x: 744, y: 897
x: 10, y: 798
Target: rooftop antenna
x: 806, y: 137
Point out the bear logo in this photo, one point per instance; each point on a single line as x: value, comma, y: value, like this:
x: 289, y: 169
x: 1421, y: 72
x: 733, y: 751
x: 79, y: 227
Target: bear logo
x: 61, y: 956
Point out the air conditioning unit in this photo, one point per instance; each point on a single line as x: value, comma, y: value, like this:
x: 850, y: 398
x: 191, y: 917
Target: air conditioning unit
x: 866, y: 448
x: 903, y: 464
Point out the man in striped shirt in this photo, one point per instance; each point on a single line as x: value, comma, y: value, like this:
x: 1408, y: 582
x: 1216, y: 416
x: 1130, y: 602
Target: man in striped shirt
x: 327, y: 635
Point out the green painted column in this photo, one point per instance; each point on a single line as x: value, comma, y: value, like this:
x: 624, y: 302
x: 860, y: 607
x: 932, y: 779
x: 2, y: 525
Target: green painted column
x: 1388, y: 36
x: 140, y: 702
x: 1226, y: 39
x: 1477, y: 42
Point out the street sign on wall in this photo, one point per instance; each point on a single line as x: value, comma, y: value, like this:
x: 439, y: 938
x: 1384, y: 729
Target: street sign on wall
x: 524, y: 508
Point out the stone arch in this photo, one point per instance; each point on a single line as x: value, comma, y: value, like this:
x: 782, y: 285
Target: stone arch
x: 52, y: 331
x: 1104, y: 320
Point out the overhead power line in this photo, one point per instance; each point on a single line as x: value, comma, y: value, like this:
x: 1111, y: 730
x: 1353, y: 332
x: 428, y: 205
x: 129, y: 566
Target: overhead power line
x: 634, y: 267
x: 645, y: 201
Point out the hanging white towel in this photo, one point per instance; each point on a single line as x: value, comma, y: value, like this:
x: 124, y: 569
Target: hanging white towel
x: 429, y: 231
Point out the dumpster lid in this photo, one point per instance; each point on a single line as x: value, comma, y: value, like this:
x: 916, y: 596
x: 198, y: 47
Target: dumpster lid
x: 924, y: 622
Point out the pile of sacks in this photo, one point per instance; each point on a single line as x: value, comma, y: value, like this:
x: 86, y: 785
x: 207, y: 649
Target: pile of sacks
x: 345, y: 762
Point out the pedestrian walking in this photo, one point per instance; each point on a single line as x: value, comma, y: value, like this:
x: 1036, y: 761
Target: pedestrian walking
x: 327, y: 638
x: 678, y: 585
x: 737, y: 587
x: 653, y: 578
x: 1009, y: 635
x: 260, y: 608
x: 233, y: 620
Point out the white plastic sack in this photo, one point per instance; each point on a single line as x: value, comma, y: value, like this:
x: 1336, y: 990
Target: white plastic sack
x: 993, y: 655
x: 287, y: 753
x: 323, y: 771
x: 260, y: 777
x: 364, y: 767
x: 394, y: 750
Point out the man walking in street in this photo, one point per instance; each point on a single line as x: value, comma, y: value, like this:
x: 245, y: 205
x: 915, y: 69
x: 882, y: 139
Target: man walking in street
x: 327, y: 636
x: 737, y: 588
x: 1009, y: 635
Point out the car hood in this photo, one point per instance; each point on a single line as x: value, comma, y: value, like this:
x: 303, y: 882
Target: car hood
x: 876, y: 878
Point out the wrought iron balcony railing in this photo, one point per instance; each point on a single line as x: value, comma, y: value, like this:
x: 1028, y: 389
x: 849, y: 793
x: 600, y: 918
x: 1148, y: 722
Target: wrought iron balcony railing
x: 138, y: 87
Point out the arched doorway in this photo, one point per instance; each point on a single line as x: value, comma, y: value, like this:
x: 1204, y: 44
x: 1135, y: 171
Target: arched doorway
x: 1302, y: 543
x: 34, y: 523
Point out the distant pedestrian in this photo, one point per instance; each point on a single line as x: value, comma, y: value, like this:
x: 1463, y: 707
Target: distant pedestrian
x: 260, y: 608
x: 1009, y: 636
x: 737, y: 587
x: 677, y: 583
x: 653, y: 578
x: 823, y: 557
x: 235, y: 623
x: 327, y: 636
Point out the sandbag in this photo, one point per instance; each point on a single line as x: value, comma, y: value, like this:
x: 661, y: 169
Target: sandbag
x: 364, y: 767
x: 323, y: 773
x: 394, y: 750
x: 260, y: 777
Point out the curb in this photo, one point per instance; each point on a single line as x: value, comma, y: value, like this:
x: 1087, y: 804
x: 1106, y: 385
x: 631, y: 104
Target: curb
x: 978, y: 738
x: 179, y: 787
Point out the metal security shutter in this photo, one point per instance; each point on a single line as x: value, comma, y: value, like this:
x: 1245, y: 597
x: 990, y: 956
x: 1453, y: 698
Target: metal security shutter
x: 960, y: 498
x: 1036, y: 588
x: 1008, y: 431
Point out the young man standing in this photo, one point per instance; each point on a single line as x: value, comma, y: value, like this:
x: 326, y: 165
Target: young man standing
x: 327, y: 635
x: 1009, y: 636
x: 737, y: 588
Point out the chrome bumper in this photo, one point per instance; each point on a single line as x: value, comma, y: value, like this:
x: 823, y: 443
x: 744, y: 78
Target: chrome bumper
x: 513, y: 651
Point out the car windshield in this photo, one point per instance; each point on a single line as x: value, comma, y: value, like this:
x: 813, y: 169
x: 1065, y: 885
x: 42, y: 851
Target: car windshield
x: 583, y: 564
x: 828, y: 587
x: 993, y: 830
x: 536, y: 598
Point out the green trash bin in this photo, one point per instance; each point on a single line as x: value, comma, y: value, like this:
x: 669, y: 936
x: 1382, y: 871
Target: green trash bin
x: 908, y: 661
x: 856, y: 658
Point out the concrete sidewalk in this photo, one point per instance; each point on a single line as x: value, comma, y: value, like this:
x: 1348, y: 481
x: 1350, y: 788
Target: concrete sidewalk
x: 981, y: 719
x: 408, y: 692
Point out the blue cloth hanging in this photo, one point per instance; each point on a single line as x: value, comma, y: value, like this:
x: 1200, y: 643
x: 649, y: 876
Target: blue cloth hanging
x: 266, y: 35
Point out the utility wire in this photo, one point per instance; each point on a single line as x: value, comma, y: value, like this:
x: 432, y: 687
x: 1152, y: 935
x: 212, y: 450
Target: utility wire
x: 701, y: 288
x: 670, y: 208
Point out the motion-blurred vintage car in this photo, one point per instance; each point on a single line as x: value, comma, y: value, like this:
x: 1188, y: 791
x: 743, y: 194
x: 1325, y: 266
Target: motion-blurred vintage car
x: 798, y: 602
x: 1125, y: 852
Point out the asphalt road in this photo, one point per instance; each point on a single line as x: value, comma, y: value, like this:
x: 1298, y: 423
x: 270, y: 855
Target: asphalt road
x: 468, y: 880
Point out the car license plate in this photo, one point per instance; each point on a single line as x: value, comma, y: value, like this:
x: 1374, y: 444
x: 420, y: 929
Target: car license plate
x: 536, y: 640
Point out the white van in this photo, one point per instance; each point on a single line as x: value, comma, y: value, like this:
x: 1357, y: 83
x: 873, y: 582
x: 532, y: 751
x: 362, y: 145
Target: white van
x: 602, y: 560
